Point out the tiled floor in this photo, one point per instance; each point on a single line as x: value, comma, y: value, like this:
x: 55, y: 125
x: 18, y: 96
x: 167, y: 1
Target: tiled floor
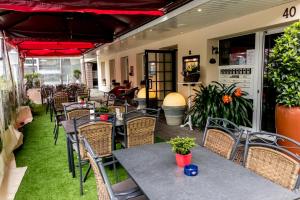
x: 166, y: 132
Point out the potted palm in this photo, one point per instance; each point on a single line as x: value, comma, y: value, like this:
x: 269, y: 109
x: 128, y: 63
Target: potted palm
x: 284, y: 73
x: 220, y: 101
x: 77, y: 74
x: 182, y: 147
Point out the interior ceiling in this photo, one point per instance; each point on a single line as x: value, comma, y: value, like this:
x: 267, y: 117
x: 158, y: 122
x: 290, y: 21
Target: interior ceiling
x: 90, y: 21
x: 212, y: 12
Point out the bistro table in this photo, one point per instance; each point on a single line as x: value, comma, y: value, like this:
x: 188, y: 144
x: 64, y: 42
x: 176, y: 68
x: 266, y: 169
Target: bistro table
x: 75, y: 105
x: 154, y: 170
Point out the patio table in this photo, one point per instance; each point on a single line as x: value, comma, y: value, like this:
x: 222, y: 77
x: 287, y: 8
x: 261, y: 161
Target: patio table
x: 76, y: 105
x: 154, y: 170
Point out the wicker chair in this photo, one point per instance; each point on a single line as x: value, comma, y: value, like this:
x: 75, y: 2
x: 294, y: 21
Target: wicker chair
x: 99, y: 134
x: 123, y: 190
x: 139, y: 127
x: 58, y: 108
x: 222, y: 137
x: 113, y: 108
x: 73, y: 111
x: 268, y: 155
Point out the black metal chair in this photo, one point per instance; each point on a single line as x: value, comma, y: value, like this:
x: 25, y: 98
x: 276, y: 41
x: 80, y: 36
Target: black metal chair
x: 99, y: 134
x: 273, y: 156
x: 123, y: 190
x: 222, y: 137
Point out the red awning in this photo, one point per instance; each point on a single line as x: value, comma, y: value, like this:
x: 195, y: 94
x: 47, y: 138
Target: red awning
x: 128, y: 7
x: 49, y: 53
x: 71, y: 28
x: 46, y: 48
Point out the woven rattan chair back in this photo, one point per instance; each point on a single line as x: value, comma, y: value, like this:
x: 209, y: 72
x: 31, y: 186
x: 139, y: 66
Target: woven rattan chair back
x: 273, y: 165
x: 99, y: 136
x: 219, y: 142
x: 268, y: 155
x: 76, y: 113
x: 101, y: 187
x: 82, y: 92
x: 58, y: 99
x: 140, y: 131
x: 222, y: 136
x: 112, y: 109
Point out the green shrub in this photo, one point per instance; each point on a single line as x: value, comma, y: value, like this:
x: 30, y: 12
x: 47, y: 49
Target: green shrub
x: 182, y: 145
x: 219, y: 100
x: 284, y: 67
x: 103, y: 109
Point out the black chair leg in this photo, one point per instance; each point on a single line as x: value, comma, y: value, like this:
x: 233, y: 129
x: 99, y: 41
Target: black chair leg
x: 56, y: 134
x: 115, y: 170
x: 87, y: 173
x: 72, y: 160
x: 80, y: 177
x: 51, y: 113
x: 68, y: 154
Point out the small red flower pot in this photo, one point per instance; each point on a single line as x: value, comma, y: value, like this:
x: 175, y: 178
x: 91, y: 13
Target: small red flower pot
x: 183, y: 160
x: 104, y: 117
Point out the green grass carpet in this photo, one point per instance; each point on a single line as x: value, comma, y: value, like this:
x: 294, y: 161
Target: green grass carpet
x: 47, y: 176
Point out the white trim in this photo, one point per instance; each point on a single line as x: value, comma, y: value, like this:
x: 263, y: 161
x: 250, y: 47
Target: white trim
x: 174, y: 13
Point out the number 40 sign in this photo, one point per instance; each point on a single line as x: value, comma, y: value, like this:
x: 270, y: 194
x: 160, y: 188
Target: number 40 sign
x: 289, y: 12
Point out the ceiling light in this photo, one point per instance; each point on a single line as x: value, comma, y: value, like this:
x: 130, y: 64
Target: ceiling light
x: 150, y: 30
x: 199, y: 9
x: 133, y: 36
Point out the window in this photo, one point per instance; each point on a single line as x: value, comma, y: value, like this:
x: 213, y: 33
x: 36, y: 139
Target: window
x: 237, y: 50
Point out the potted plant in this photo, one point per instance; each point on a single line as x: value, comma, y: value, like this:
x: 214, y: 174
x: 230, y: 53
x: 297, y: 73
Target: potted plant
x: 284, y: 74
x: 219, y: 100
x: 77, y: 74
x: 103, y: 109
x: 182, y: 147
x: 192, y: 73
x: 82, y: 99
x: 174, y: 106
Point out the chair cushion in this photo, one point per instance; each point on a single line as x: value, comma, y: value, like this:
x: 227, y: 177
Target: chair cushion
x: 124, y: 185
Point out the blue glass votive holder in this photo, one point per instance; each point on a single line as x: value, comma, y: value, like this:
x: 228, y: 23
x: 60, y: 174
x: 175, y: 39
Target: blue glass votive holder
x: 191, y: 170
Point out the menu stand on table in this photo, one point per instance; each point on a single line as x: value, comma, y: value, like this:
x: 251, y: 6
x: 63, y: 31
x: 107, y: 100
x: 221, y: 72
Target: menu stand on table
x: 189, y: 121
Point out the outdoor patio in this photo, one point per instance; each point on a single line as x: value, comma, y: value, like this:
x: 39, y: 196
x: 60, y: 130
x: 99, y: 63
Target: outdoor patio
x: 150, y: 100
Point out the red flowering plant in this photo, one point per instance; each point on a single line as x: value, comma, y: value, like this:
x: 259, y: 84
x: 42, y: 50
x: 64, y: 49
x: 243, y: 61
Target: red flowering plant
x: 222, y: 101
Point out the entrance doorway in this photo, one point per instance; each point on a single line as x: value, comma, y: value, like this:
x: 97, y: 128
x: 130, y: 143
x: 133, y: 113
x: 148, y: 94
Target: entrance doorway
x: 268, y: 97
x: 160, y: 75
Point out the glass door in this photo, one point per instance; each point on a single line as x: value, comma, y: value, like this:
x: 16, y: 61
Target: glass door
x: 160, y: 75
x: 268, y: 96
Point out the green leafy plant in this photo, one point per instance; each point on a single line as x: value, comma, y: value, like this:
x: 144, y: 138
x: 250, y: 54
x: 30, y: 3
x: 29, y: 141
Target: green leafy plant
x: 32, y: 80
x: 77, y: 73
x: 219, y: 100
x: 102, y: 109
x: 284, y: 67
x: 182, y: 145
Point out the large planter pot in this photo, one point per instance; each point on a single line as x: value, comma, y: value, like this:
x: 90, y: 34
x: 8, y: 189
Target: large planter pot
x: 288, y: 124
x: 174, y: 114
x: 183, y: 160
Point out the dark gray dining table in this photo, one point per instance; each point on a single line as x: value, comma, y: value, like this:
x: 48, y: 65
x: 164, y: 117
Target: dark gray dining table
x: 154, y: 170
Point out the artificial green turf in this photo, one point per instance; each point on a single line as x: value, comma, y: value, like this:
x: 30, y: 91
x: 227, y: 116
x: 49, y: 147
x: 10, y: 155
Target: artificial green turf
x: 47, y: 175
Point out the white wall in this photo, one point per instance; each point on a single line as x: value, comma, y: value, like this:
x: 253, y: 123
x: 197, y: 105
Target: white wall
x: 200, y: 42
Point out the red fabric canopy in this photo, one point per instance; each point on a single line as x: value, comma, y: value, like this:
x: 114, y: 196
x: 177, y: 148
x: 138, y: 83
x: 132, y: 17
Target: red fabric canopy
x: 128, y: 7
x: 49, y: 52
x: 46, y: 48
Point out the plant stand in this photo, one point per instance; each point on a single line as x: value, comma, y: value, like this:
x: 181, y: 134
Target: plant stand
x: 189, y: 121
